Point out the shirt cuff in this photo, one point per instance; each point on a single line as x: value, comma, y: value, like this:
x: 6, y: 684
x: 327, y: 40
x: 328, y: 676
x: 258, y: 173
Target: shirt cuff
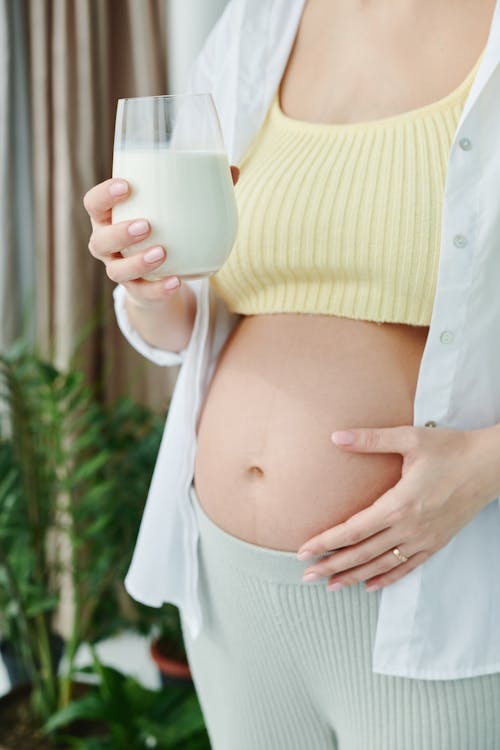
x: 162, y: 357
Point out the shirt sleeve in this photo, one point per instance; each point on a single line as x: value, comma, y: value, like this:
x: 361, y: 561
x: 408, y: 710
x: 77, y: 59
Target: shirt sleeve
x: 160, y: 357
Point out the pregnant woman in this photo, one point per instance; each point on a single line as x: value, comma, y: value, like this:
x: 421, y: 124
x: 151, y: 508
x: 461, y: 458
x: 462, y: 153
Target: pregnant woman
x: 342, y: 117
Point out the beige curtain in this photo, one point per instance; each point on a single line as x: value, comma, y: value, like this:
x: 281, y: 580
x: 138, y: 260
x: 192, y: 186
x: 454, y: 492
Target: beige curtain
x: 83, y: 56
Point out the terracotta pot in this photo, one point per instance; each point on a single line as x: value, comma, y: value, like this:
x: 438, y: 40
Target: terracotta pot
x: 172, y: 669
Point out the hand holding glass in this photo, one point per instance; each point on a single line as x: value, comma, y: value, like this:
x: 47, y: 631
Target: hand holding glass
x: 170, y: 150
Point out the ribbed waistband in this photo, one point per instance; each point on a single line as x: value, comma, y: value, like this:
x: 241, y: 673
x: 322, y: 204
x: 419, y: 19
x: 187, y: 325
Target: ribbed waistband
x: 264, y: 562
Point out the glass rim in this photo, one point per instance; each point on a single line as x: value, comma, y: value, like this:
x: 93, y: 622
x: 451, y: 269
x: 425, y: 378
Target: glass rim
x: 164, y: 96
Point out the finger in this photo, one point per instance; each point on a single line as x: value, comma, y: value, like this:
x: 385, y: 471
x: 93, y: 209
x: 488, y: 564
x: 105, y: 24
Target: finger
x: 360, y: 526
x: 100, y: 199
x: 152, y: 291
x: 376, y: 582
x: 235, y: 173
x: 121, y: 269
x: 380, y: 565
x: 106, y: 240
x: 352, y: 557
x: 403, y: 439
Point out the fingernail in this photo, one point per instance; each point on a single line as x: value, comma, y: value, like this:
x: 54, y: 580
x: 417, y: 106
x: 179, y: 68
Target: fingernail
x: 310, y: 576
x: 372, y: 586
x: 138, y: 228
x: 306, y: 554
x: 335, y: 586
x: 154, y: 254
x: 172, y: 283
x: 118, y: 188
x: 343, y: 438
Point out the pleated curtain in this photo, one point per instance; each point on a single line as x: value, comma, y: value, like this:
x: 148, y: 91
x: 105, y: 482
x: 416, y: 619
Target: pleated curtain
x: 83, y: 56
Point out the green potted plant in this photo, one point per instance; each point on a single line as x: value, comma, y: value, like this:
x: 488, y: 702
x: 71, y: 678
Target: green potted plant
x: 67, y: 465
x: 133, y: 716
x: 10, y: 622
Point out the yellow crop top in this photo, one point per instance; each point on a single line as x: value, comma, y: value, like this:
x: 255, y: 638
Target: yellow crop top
x: 345, y: 218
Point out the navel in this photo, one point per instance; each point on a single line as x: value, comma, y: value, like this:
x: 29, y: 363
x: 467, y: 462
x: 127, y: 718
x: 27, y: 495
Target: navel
x: 256, y: 471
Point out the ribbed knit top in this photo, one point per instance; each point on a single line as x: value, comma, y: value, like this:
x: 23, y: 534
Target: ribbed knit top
x: 342, y: 219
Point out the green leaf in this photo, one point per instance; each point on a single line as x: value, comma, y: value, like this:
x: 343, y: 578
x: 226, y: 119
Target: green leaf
x: 46, y: 604
x: 86, y: 743
x: 183, y: 721
x: 89, y: 707
x: 89, y: 468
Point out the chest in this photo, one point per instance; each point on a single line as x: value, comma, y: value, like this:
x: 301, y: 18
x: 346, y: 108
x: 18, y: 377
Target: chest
x: 351, y: 63
x: 342, y: 219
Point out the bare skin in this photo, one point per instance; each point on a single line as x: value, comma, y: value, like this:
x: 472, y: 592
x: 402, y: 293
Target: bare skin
x: 266, y: 470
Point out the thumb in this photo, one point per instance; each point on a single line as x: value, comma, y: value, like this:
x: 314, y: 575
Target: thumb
x: 376, y: 439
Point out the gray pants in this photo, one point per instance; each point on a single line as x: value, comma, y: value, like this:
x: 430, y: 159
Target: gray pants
x: 286, y: 665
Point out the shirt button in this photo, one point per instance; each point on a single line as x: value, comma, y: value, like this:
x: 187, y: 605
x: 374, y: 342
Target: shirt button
x: 446, y: 337
x: 459, y: 240
x: 430, y: 423
x: 465, y: 144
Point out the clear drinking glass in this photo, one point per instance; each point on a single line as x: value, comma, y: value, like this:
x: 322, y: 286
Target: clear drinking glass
x: 170, y: 149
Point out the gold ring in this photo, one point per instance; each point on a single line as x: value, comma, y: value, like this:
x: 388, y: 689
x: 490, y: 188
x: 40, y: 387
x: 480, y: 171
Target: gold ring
x: 399, y: 555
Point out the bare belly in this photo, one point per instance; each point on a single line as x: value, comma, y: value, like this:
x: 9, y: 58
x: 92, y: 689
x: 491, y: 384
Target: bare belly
x: 266, y: 469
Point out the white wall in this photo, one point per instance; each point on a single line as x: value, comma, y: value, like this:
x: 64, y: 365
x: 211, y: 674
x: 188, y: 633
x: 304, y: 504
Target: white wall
x: 189, y: 21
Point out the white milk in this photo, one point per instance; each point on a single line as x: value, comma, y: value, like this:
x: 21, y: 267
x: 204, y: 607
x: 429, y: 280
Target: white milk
x: 188, y: 198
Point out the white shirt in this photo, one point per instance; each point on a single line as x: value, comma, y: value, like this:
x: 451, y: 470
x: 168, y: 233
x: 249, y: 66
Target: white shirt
x: 442, y: 620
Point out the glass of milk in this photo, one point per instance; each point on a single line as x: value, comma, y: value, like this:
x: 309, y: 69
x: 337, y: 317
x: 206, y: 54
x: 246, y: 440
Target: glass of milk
x: 170, y: 150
